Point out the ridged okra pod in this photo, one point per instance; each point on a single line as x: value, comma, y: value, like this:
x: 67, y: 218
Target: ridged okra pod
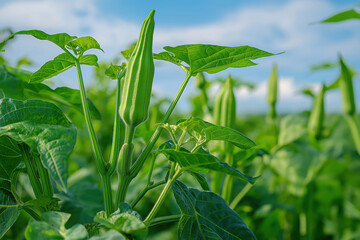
x: 135, y: 99
x: 272, y: 91
x: 316, y: 120
x: 347, y: 89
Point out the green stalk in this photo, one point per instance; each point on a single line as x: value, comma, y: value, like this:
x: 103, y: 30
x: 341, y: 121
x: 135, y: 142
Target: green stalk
x: 354, y: 129
x: 99, y: 160
x: 32, y: 213
x: 165, y: 219
x: 229, y: 180
x: 161, y: 198
x: 244, y: 191
x: 115, y: 147
x: 142, y: 157
x: 93, y: 140
x: 144, y: 191
x: 45, y: 179
x: 31, y: 171
x: 216, y: 182
x: 109, y: 207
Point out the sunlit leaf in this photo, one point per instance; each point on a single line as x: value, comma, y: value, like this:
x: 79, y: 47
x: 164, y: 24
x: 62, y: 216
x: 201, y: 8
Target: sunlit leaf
x: 342, y: 16
x: 205, y: 215
x: 82, y: 44
x: 195, y: 161
x: 44, y: 128
x: 9, y: 211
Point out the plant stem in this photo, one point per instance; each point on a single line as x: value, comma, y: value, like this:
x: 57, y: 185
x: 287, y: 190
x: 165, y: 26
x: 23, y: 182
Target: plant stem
x: 32, y: 213
x: 125, y: 158
x: 354, y: 129
x: 31, y: 171
x: 244, y: 191
x: 142, y: 157
x: 144, y: 191
x: 229, y: 180
x: 45, y: 179
x: 165, y: 219
x: 94, y: 142
x: 108, y: 201
x: 115, y: 147
x: 162, y: 197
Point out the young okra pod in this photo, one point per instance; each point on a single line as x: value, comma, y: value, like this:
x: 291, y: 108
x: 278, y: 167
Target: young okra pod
x: 347, y: 89
x: 316, y: 120
x: 135, y: 99
x: 272, y: 93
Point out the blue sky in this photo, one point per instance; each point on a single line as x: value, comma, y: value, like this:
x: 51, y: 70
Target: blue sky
x: 274, y: 26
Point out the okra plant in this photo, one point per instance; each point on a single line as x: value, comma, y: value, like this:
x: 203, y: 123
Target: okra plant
x: 37, y: 138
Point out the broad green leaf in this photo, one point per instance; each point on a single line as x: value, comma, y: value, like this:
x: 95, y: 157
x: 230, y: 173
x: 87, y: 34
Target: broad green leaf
x: 52, y: 68
x: 205, y: 215
x: 14, y: 84
x: 77, y: 202
x: 82, y: 44
x: 116, y: 71
x: 127, y: 53
x: 109, y: 235
x: 5, y: 184
x: 60, y: 39
x: 45, y: 129
x: 292, y: 127
x: 195, y: 161
x: 213, y: 58
x: 166, y: 56
x: 52, y: 227
x: 205, y: 132
x: 126, y: 223
x: 9, y: 211
x: 298, y: 165
x: 10, y: 156
x: 60, y: 64
x: 342, y: 16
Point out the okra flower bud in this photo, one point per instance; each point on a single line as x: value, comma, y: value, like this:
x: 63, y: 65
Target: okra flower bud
x: 135, y: 99
x: 316, y: 120
x: 347, y: 89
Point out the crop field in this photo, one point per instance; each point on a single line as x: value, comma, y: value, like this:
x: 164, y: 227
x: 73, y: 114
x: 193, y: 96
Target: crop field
x: 114, y: 159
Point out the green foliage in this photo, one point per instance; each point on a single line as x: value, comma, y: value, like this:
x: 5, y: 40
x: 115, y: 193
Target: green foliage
x: 342, y: 16
x: 205, y: 215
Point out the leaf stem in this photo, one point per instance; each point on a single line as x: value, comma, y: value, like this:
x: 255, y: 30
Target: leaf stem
x: 164, y: 219
x: 245, y: 190
x: 142, y: 157
x: 229, y: 180
x: 144, y: 191
x: 161, y: 198
x: 31, y: 171
x: 94, y: 142
x: 44, y: 177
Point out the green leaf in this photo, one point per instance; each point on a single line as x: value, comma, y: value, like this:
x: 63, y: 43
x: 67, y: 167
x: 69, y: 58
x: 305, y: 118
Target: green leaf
x: 195, y: 161
x: 14, y: 84
x: 9, y: 211
x: 52, y: 68
x: 116, y: 71
x: 205, y: 215
x: 52, y: 227
x: 213, y: 58
x: 127, y: 53
x: 204, y: 132
x: 60, y: 64
x: 127, y: 223
x: 292, y: 127
x: 82, y: 44
x: 45, y: 129
x: 342, y: 16
x: 60, y: 39
x: 10, y: 156
x: 166, y: 56
x: 109, y: 235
